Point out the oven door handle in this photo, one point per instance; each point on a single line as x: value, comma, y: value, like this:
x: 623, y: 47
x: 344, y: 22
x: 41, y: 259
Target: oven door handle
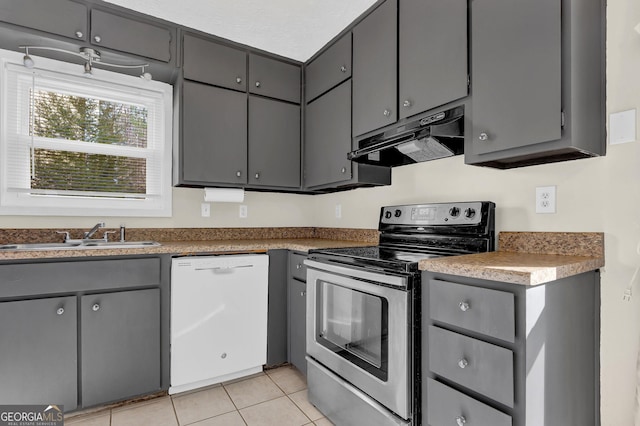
x: 391, y: 280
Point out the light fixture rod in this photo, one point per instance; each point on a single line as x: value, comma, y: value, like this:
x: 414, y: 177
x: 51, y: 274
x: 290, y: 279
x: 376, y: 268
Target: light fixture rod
x: 86, y: 53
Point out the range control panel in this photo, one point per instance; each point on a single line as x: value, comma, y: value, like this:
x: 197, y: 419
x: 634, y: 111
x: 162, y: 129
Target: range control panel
x: 467, y: 213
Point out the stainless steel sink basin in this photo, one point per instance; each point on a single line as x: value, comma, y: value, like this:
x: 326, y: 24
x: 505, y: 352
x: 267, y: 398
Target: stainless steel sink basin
x: 79, y: 245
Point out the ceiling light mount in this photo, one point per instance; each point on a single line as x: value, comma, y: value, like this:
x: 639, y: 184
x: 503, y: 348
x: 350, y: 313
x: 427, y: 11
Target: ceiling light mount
x: 90, y: 56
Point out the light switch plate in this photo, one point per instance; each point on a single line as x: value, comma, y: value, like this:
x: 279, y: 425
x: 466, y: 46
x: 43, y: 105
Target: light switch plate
x: 622, y: 127
x: 244, y: 211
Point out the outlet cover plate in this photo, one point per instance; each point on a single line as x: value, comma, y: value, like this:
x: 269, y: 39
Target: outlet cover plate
x: 244, y: 211
x: 622, y: 127
x: 545, y: 199
x: 205, y: 210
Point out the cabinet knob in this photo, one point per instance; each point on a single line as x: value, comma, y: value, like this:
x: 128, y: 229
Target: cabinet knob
x: 407, y: 103
x: 238, y: 173
x: 60, y: 311
x: 298, y: 266
x: 95, y: 307
x: 463, y: 363
x: 464, y: 306
x: 79, y: 34
x: 343, y: 170
x: 343, y: 68
x: 97, y: 39
x: 303, y: 293
x: 258, y: 175
x: 483, y: 136
x: 257, y: 84
x: 387, y: 112
x: 223, y: 355
x: 239, y: 80
x: 461, y: 421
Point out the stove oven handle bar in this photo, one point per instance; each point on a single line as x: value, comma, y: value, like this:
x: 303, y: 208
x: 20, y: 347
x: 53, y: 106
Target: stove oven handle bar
x: 351, y: 272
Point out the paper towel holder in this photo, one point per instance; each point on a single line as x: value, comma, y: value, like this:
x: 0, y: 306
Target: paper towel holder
x: 224, y: 195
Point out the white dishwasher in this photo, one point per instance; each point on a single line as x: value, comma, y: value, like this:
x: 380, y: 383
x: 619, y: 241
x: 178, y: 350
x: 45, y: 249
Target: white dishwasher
x: 218, y: 318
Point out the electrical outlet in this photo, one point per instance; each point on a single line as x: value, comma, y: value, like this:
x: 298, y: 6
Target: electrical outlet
x: 338, y: 211
x: 244, y: 211
x: 205, y: 210
x: 545, y: 199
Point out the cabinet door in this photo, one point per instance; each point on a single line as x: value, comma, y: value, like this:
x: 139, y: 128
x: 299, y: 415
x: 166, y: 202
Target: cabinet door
x: 120, y: 345
x: 330, y: 68
x: 61, y: 17
x: 433, y: 54
x: 328, y: 137
x: 214, y: 63
x: 297, y: 324
x: 375, y: 69
x: 274, y: 143
x: 214, y: 135
x: 39, y: 352
x: 273, y: 78
x: 132, y: 36
x: 516, y: 81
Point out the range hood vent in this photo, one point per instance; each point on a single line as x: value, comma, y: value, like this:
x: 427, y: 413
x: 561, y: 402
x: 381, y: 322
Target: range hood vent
x: 435, y: 136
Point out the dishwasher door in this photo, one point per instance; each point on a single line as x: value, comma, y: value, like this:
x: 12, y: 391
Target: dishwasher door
x: 218, y: 319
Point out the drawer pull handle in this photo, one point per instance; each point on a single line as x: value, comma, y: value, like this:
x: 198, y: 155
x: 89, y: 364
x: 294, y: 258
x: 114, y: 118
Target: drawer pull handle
x: 461, y: 421
x: 463, y: 363
x: 464, y: 306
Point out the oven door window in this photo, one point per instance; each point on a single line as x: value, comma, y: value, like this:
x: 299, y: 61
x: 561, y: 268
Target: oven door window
x: 354, y: 325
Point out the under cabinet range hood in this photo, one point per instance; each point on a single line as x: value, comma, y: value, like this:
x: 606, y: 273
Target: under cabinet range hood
x: 435, y: 136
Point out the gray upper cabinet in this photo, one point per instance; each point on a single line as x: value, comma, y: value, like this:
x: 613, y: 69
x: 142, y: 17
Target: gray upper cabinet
x: 273, y: 78
x: 433, y: 67
x: 329, y: 69
x: 214, y: 63
x: 213, y: 146
x: 120, y: 337
x: 274, y: 143
x: 511, y: 67
x: 375, y: 69
x: 39, y: 352
x: 132, y: 36
x: 328, y: 138
x: 61, y: 17
x: 537, y: 94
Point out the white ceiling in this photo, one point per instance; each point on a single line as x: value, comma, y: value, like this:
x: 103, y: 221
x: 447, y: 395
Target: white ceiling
x: 295, y: 29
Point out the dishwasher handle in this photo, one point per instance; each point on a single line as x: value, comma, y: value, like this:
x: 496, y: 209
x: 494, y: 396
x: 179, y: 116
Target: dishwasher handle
x: 223, y: 268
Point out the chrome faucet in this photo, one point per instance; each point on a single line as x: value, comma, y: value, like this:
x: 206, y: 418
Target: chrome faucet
x: 93, y: 230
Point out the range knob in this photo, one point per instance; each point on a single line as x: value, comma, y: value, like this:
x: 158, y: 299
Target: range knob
x: 398, y: 213
x: 454, y: 211
x: 387, y: 214
x: 469, y: 213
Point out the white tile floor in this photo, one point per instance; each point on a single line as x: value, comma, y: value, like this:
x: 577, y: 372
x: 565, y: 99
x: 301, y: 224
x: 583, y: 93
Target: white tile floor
x: 276, y: 397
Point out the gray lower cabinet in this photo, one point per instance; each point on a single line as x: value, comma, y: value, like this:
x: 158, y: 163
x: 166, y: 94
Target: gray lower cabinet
x: 297, y: 311
x: 120, y: 335
x: 39, y: 363
x: 375, y: 71
x: 60, y: 17
x: 83, y: 332
x: 432, y: 64
x: 274, y: 143
x: 500, y: 354
x: 540, y: 98
x: 213, y: 142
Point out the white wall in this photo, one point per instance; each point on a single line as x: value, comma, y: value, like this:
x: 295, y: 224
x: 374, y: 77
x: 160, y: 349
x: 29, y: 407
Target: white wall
x: 600, y: 194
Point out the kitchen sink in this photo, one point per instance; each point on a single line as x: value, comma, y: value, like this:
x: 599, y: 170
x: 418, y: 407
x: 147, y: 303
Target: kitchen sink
x: 80, y: 245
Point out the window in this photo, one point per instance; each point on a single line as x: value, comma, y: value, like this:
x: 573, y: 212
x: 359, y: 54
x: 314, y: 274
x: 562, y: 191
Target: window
x: 72, y: 145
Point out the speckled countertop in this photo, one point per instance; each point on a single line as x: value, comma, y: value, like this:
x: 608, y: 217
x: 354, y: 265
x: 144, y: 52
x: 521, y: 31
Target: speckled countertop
x: 528, y: 258
x: 187, y: 241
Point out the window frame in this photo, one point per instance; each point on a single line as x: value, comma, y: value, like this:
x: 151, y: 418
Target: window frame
x: 158, y: 96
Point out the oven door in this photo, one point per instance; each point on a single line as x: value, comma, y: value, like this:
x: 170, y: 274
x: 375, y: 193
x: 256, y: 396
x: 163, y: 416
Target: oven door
x: 358, y: 326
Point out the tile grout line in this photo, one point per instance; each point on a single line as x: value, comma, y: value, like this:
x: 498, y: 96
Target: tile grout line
x: 234, y: 404
x: 288, y: 397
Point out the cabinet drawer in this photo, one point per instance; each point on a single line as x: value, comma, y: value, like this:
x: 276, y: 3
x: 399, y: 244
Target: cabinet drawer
x: 448, y: 407
x: 477, y: 365
x: 332, y: 67
x: 477, y: 309
x: 297, y: 268
x: 273, y: 78
x: 128, y: 35
x: 214, y: 63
